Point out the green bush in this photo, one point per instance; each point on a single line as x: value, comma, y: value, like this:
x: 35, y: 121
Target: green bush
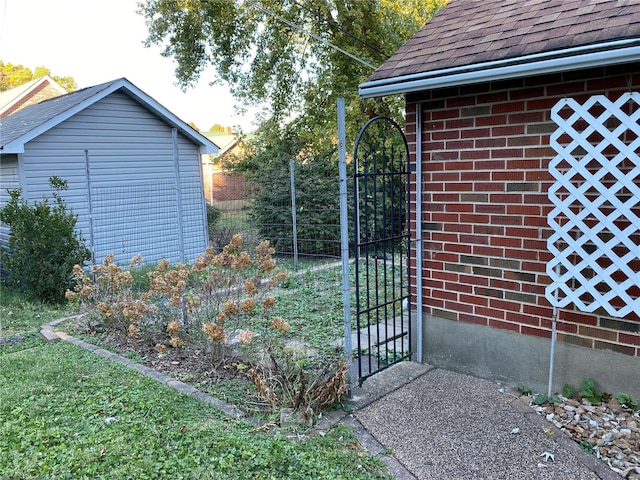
x: 317, y: 206
x: 213, y: 215
x: 43, y: 244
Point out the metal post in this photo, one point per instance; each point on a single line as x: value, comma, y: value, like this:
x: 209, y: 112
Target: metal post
x: 344, y: 238
x: 553, y: 336
x: 419, y: 279
x: 294, y: 214
x: 92, y: 239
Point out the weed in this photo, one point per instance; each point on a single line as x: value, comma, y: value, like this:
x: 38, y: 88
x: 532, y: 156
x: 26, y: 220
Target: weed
x: 626, y: 400
x: 590, y: 392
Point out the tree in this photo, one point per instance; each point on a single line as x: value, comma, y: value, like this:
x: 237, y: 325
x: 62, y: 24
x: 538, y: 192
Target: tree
x: 217, y: 128
x: 295, y: 58
x: 14, y: 75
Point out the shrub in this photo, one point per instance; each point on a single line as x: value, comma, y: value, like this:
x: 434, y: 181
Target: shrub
x: 213, y: 215
x: 43, y: 245
x: 317, y: 206
x: 221, y: 305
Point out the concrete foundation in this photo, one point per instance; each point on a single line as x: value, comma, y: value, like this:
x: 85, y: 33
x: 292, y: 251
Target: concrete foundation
x: 514, y: 359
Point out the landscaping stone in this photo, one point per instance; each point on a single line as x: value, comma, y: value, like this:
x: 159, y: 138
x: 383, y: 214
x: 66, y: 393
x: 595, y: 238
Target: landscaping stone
x: 610, y: 431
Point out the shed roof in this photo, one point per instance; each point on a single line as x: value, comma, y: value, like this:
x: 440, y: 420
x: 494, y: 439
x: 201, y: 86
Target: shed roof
x: 32, y: 121
x: 470, y: 36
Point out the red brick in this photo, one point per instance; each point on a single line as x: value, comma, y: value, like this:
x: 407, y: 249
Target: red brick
x: 537, y: 332
x: 491, y: 120
x: 508, y: 130
x: 526, y: 117
x: 458, y: 123
x: 490, y: 142
x: 628, y: 338
x: 474, y: 319
x: 523, y: 319
x: 508, y: 107
x: 578, y: 317
x: 514, y: 327
x: 489, y: 312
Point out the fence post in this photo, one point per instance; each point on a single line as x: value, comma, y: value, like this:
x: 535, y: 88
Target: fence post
x: 344, y: 237
x: 292, y: 176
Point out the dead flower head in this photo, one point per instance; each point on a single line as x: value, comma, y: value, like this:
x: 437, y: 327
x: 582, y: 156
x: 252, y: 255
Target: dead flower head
x: 133, y: 331
x: 280, y: 325
x: 137, y: 260
x: 247, y: 305
x: 173, y: 328
x: 250, y: 287
x: 160, y: 348
x: 230, y: 308
x: 215, y: 332
x: 176, y: 342
x: 246, y: 337
x: 268, y: 303
x: 163, y: 265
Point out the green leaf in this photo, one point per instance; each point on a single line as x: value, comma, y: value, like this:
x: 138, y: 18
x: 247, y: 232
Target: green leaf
x: 540, y: 399
x: 566, y: 390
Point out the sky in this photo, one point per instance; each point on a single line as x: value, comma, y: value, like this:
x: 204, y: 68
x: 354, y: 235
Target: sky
x: 95, y: 41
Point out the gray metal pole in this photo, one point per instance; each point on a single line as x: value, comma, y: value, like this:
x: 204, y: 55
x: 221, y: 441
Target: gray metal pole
x: 176, y: 166
x: 419, y: 278
x: 344, y: 237
x: 292, y: 177
x: 92, y: 238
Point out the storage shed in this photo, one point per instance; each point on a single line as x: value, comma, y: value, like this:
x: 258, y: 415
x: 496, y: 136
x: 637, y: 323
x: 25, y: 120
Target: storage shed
x: 133, y: 170
x: 522, y: 122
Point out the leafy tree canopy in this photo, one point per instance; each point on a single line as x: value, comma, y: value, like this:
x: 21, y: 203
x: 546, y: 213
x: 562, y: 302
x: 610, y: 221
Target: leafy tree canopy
x: 292, y: 58
x: 217, y: 128
x: 14, y: 75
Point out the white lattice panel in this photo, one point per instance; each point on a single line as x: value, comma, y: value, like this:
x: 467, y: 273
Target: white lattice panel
x: 596, y: 197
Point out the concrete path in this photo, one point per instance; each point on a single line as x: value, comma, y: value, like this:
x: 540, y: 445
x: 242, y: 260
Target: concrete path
x: 435, y: 424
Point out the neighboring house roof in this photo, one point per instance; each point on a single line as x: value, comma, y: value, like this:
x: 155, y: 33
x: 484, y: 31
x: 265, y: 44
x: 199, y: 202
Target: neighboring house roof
x: 34, y: 120
x: 224, y: 141
x: 472, y: 41
x: 14, y: 98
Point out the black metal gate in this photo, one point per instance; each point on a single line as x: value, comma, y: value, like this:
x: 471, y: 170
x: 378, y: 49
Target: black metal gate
x: 381, y: 217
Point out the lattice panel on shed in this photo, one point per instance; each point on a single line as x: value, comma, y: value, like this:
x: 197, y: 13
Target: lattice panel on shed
x: 596, y: 196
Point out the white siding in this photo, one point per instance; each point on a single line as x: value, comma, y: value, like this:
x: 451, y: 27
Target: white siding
x: 133, y: 194
x: 9, y: 180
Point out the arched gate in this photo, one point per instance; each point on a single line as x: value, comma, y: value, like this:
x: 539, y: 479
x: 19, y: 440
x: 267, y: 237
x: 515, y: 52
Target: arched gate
x: 381, y: 226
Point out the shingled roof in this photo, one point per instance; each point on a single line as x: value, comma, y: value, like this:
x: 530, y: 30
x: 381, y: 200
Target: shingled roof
x: 31, y: 121
x: 473, y: 35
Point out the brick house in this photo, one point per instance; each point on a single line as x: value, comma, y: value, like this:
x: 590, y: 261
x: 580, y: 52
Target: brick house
x: 29, y: 93
x: 480, y: 81
x: 226, y: 190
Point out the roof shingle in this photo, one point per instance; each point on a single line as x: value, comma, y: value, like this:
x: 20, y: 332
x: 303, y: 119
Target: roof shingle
x: 469, y: 32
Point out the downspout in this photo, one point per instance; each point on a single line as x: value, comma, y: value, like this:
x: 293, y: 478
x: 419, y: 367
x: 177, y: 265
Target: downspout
x: 419, y: 300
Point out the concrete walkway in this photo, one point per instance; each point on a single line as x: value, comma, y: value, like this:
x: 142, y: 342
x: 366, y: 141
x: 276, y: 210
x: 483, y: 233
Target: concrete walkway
x: 435, y: 424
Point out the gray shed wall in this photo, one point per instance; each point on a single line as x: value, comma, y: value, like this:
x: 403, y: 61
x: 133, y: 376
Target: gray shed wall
x: 132, y: 177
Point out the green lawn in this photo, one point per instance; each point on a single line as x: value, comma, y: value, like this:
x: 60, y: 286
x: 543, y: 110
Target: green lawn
x: 67, y: 413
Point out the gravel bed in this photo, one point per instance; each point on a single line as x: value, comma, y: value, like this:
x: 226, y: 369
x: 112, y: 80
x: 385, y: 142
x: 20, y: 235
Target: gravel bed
x: 610, y: 431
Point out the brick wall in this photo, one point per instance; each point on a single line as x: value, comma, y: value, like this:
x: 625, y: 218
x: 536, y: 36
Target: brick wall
x: 220, y: 186
x: 485, y: 179
x: 43, y: 92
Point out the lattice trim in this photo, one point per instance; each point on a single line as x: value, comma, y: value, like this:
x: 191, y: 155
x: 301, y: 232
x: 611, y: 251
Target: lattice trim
x: 596, y: 197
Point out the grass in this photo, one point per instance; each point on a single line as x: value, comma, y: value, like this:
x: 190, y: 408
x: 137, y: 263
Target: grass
x: 66, y: 413
x: 19, y: 315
